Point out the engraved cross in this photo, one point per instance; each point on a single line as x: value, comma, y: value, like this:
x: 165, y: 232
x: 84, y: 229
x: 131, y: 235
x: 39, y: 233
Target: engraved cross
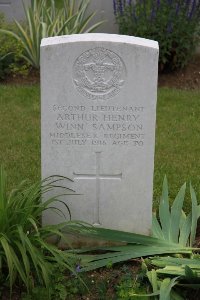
x: 98, y: 176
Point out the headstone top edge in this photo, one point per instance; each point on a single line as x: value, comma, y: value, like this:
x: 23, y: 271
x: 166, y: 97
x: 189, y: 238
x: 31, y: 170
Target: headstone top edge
x: 99, y: 37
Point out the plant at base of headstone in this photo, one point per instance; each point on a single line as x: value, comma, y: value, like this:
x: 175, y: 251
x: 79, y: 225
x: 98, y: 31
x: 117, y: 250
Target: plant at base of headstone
x: 174, y: 24
x: 171, y: 275
x: 172, y: 234
x: 25, y: 254
x: 44, y: 19
x: 187, y: 269
x: 173, y: 225
x: 162, y: 288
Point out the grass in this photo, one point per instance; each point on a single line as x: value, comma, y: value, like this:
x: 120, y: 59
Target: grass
x: 20, y: 133
x: 177, y: 140
x: 177, y: 137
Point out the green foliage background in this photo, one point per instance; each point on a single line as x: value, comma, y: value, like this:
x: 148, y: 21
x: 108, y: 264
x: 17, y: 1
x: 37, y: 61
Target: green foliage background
x: 12, y: 49
x: 46, y: 19
x: 174, y: 24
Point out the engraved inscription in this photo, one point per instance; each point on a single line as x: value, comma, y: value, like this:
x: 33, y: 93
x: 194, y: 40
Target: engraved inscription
x: 98, y: 176
x: 99, y: 73
x: 91, y: 125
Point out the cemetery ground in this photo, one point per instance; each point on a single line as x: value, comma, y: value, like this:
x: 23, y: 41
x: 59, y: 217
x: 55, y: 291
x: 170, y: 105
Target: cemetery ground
x: 177, y: 156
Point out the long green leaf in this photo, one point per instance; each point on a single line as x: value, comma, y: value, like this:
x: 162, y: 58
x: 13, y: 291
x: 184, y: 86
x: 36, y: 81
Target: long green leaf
x: 7, y: 250
x: 152, y: 276
x: 2, y: 193
x: 176, y: 211
x: 194, y: 215
x: 185, y: 229
x: 94, y: 27
x: 164, y: 212
x: 27, y: 270
x: 156, y: 229
x: 166, y: 288
x: 17, y: 264
x: 116, y: 235
x: 101, y: 260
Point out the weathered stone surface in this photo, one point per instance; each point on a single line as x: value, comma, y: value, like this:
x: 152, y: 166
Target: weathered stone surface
x: 98, y: 126
x: 13, y: 9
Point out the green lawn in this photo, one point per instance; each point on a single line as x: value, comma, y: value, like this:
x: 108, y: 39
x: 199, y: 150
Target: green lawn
x: 177, y: 140
x: 20, y: 132
x: 177, y: 136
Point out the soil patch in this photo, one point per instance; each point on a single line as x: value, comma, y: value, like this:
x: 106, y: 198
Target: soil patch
x: 186, y: 79
x: 33, y: 77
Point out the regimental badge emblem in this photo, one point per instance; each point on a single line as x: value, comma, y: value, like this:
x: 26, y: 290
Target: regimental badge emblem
x: 99, y: 73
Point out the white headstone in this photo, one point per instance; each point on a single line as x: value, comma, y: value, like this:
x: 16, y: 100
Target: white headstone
x: 99, y: 96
